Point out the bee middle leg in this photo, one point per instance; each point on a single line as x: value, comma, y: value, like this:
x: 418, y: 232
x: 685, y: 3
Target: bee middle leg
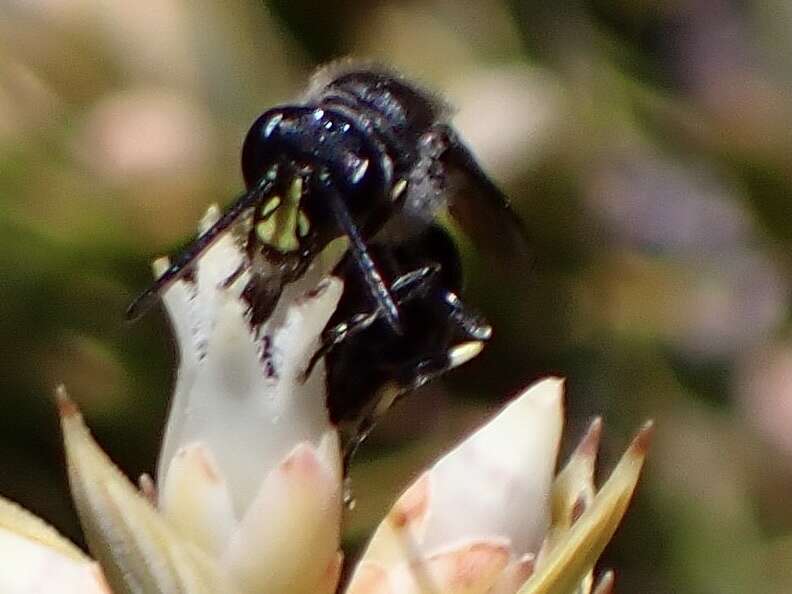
x: 406, y: 287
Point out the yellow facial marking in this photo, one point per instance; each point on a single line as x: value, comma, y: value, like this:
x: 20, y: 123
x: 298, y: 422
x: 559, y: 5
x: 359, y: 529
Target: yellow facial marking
x: 266, y: 230
x: 270, y: 206
x: 281, y: 219
x: 303, y: 224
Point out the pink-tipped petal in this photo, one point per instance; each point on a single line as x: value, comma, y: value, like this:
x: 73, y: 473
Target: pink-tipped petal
x: 196, y: 500
x: 573, y: 489
x: 291, y: 532
x: 147, y: 488
x: 397, y: 538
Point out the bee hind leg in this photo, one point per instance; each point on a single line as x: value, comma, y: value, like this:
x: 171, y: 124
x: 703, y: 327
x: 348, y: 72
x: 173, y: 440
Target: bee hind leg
x: 407, y: 378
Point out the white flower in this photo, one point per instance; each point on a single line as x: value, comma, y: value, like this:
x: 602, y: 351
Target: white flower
x: 249, y: 479
x: 250, y: 466
x: 34, y: 558
x: 489, y: 514
x: 485, y: 505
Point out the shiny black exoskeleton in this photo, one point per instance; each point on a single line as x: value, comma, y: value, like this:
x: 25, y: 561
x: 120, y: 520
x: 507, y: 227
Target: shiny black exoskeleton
x: 369, y: 365
x: 375, y: 158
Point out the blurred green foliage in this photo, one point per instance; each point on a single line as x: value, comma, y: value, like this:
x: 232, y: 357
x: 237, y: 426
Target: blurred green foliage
x: 646, y: 144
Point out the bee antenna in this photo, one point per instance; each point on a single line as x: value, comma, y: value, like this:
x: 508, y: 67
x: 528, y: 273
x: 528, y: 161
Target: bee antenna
x: 203, y: 242
x: 357, y: 247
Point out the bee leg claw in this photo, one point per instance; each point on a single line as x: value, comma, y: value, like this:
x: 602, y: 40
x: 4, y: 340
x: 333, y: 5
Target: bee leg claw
x: 337, y: 334
x: 414, y: 283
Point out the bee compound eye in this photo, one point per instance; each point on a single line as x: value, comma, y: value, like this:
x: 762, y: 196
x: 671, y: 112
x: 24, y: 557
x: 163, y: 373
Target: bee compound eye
x: 258, y: 149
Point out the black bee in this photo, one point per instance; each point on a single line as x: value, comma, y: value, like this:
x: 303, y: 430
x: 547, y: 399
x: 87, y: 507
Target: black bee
x: 366, y: 155
x: 369, y: 365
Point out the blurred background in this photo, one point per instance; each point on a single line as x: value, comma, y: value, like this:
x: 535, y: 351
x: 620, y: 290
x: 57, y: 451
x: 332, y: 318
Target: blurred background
x: 646, y: 144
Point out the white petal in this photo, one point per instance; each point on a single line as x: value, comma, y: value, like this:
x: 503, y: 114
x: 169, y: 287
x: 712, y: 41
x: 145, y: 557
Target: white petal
x: 471, y: 568
x: 30, y: 567
x: 497, y: 482
x: 139, y: 550
x: 514, y: 575
x: 493, y: 490
x: 178, y: 297
x: 329, y: 453
x: 288, y: 541
x: 240, y: 390
x: 196, y: 499
x: 399, y: 536
x: 16, y: 519
x: 370, y: 578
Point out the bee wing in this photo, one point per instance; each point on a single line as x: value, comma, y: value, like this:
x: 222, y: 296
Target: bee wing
x: 479, y: 206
